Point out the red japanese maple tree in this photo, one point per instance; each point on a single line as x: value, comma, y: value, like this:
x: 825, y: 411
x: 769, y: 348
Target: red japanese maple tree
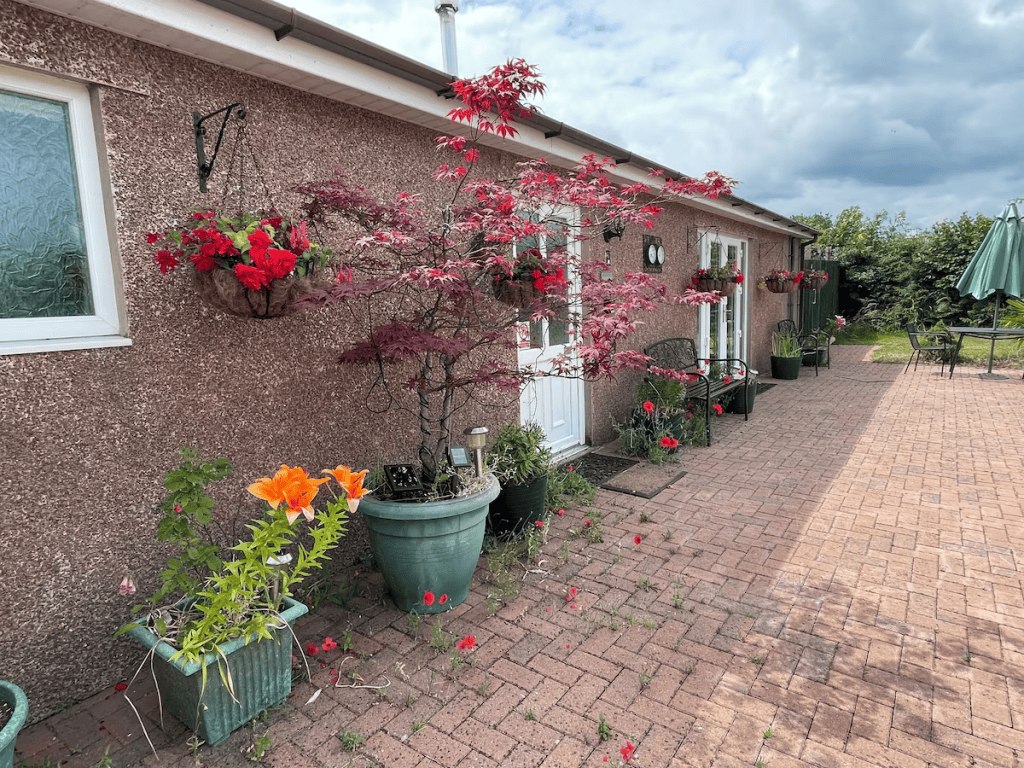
x: 421, y: 283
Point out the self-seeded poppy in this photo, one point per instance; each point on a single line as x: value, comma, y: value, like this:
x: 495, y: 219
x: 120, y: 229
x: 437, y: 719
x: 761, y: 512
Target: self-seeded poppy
x: 442, y: 599
x: 572, y: 593
x: 560, y: 512
x: 648, y: 406
x: 329, y: 644
x: 312, y: 649
x: 718, y: 408
x: 587, y: 523
x: 428, y: 598
x: 669, y: 443
x: 637, y: 539
x: 539, y: 523
x: 466, y: 643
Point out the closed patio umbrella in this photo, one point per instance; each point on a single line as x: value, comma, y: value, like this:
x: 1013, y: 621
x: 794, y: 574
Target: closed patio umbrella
x: 998, y: 265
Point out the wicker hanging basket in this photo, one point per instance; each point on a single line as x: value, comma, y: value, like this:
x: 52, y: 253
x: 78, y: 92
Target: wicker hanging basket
x: 813, y: 282
x: 781, y: 286
x: 516, y: 293
x: 220, y: 289
x: 724, y: 287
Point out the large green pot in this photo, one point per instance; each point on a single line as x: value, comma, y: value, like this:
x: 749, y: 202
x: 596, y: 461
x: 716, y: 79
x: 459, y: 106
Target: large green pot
x: 13, y: 695
x: 743, y: 399
x: 261, y: 674
x: 786, y: 368
x: 518, y: 506
x: 428, y: 546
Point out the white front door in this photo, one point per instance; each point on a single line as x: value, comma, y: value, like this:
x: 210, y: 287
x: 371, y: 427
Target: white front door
x: 554, y: 402
x: 722, y: 326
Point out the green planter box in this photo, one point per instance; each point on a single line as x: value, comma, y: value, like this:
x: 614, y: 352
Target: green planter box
x: 261, y: 674
x: 433, y: 546
x: 13, y: 695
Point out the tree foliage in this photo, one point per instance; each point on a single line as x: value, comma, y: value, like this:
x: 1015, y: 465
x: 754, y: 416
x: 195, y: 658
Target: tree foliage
x: 893, y: 274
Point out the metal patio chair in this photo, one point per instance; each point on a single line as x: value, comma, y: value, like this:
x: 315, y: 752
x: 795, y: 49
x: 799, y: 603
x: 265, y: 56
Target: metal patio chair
x: 929, y: 341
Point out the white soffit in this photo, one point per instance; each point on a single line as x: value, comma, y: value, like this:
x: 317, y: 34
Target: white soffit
x: 197, y: 29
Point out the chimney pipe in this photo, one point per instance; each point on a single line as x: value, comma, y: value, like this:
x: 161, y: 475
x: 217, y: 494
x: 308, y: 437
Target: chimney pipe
x: 447, y: 10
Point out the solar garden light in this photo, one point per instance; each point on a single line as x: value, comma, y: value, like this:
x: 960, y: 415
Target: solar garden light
x: 278, y: 563
x: 476, y: 439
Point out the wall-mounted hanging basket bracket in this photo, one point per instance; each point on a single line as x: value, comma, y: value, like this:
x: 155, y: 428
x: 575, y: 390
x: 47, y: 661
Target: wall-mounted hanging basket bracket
x: 204, y: 165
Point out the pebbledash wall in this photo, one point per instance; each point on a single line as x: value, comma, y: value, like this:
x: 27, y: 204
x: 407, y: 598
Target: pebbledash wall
x: 87, y: 435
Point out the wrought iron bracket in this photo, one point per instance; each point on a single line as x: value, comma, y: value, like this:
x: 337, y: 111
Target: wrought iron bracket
x: 204, y: 165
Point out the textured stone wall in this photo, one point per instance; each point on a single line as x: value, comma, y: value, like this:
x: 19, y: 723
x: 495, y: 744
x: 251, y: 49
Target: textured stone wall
x: 85, y: 436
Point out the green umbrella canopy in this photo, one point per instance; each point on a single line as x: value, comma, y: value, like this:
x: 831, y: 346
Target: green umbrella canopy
x: 999, y: 263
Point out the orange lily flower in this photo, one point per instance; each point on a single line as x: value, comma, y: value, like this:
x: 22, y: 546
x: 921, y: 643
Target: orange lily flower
x: 351, y: 481
x: 290, y: 486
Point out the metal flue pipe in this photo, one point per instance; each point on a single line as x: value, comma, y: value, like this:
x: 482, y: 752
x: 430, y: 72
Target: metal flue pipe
x: 447, y: 10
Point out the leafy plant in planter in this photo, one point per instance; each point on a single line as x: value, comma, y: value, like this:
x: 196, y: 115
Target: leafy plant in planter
x: 235, y: 613
x: 786, y: 356
x: 521, y: 461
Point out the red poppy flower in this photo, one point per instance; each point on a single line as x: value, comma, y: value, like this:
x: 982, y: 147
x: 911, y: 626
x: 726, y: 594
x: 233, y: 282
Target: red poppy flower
x: 466, y: 643
x: 718, y: 408
x: 539, y: 523
x: 442, y: 599
x: 428, y: 598
x: 121, y: 687
x: 312, y: 649
x: 648, y: 406
x: 571, y: 595
x: 637, y: 539
x: 669, y: 442
x: 329, y: 644
x: 627, y: 752
x: 559, y: 511
x: 587, y: 523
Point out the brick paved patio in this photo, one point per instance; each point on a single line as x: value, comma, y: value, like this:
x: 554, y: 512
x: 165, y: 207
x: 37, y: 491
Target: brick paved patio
x: 841, y: 569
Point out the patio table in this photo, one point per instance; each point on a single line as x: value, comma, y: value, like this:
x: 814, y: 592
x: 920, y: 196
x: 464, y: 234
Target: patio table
x: 995, y: 334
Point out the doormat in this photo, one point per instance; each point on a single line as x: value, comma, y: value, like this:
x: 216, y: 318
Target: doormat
x: 763, y: 387
x: 597, y: 468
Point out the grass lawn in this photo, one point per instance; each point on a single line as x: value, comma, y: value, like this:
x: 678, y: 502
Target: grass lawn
x: 895, y: 348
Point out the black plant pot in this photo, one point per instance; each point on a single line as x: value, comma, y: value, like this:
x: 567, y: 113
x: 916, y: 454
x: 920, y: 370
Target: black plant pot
x: 518, y: 507
x: 787, y: 368
x: 741, y: 404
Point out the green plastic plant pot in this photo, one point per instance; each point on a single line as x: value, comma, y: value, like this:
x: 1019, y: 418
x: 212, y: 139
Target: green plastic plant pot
x: 261, y: 673
x: 741, y: 404
x: 786, y: 368
x: 518, y: 506
x: 428, y: 546
x: 13, y: 695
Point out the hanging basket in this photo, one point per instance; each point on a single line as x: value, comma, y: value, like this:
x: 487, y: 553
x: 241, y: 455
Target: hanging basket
x: 516, y: 293
x: 813, y: 283
x: 781, y: 286
x: 706, y: 285
x: 220, y: 289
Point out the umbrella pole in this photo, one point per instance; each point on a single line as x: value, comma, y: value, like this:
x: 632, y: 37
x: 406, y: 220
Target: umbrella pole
x: 992, y: 349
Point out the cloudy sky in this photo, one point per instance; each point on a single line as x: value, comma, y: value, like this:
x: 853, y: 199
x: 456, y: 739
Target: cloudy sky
x: 814, y: 105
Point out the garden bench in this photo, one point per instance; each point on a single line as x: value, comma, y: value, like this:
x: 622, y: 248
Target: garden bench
x: 681, y: 355
x: 811, y: 344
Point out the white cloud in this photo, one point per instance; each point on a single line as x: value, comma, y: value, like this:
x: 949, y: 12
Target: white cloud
x: 815, y: 105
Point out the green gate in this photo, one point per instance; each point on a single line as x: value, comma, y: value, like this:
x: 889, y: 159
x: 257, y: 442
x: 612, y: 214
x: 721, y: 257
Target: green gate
x: 818, y: 307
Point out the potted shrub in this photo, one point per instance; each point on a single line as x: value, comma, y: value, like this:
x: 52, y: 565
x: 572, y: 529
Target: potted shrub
x: 13, y: 712
x: 786, y: 356
x: 222, y: 653
x: 521, y: 461
x: 246, y: 263
x: 428, y: 280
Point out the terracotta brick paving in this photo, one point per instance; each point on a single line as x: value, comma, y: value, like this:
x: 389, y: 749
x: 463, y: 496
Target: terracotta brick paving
x: 841, y: 569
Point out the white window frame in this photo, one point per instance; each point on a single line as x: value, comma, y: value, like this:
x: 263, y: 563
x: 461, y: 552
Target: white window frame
x: 107, y: 326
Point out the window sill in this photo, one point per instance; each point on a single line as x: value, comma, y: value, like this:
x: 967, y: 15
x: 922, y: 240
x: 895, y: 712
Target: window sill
x: 62, y: 345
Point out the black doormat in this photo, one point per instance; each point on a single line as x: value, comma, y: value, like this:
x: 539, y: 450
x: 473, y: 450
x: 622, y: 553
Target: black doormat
x: 763, y: 387
x: 597, y: 468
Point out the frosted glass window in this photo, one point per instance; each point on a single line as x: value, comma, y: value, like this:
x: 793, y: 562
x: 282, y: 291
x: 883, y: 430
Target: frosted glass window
x: 57, y: 274
x: 44, y: 268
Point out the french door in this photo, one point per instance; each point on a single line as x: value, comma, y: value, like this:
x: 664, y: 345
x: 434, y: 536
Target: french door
x: 722, y: 327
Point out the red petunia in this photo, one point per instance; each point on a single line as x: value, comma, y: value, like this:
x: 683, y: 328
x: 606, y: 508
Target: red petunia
x: 312, y: 649
x: 252, y: 278
x: 428, y: 598
x: 167, y: 261
x: 637, y: 539
x: 648, y: 406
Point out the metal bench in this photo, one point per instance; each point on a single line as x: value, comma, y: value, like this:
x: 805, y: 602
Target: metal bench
x: 811, y: 344
x: 680, y: 355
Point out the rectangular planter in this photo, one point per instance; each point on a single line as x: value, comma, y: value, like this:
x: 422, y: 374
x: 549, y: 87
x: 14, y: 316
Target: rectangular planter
x: 261, y: 675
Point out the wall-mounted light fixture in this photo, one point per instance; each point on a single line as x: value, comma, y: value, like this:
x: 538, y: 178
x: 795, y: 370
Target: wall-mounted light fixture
x: 613, y: 228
